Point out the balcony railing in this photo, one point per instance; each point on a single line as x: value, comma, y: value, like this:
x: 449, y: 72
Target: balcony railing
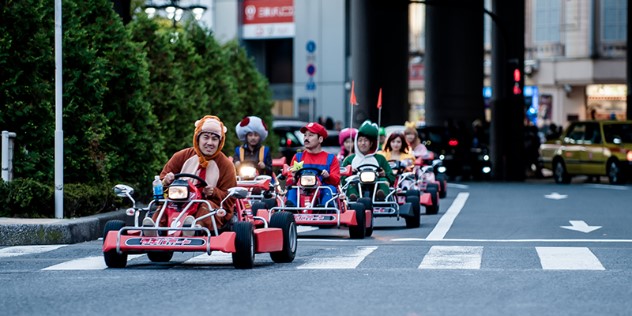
x: 547, y: 50
x: 613, y: 49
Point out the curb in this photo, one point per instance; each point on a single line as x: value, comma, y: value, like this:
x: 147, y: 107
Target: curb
x: 16, y: 231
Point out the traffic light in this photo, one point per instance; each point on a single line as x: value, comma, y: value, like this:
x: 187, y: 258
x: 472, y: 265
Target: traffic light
x: 517, y: 75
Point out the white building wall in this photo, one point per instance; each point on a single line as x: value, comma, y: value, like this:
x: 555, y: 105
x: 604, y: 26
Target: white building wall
x: 225, y: 19
x: 321, y: 21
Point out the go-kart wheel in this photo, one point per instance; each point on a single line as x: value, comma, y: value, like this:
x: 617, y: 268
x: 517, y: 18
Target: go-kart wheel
x: 368, y: 205
x: 415, y: 220
x: 160, y: 256
x: 358, y: 231
x: 112, y: 258
x: 433, y: 189
x: 443, y: 189
x: 244, y: 256
x: 285, y: 221
x: 412, y: 193
x: 256, y: 206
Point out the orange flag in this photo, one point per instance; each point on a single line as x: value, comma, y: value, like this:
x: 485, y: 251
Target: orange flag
x: 379, y: 100
x: 353, y: 97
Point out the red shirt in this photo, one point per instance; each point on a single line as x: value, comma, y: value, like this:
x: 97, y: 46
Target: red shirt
x: 319, y: 161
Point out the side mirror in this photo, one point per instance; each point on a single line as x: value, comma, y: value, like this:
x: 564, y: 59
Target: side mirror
x: 123, y: 190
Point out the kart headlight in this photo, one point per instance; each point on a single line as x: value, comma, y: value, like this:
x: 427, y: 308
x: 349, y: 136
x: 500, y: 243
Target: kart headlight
x: 367, y: 177
x: 441, y: 169
x: 247, y: 172
x: 308, y: 180
x: 178, y: 192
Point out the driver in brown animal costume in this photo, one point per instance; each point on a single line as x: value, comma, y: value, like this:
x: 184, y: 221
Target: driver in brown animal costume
x: 206, y: 160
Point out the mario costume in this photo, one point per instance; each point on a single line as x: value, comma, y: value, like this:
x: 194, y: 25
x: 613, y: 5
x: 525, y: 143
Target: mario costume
x: 321, y: 161
x: 217, y: 170
x: 257, y: 153
x: 370, y: 131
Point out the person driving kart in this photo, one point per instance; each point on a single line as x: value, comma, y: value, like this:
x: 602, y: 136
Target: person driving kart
x: 252, y: 131
x: 365, y: 154
x: 315, y: 157
x: 396, y: 148
x: 206, y: 160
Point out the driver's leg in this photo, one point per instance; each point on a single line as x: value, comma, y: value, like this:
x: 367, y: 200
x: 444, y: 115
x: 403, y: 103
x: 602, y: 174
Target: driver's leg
x: 291, y: 198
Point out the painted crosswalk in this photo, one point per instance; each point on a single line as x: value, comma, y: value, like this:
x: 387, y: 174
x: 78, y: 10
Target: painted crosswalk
x: 435, y: 257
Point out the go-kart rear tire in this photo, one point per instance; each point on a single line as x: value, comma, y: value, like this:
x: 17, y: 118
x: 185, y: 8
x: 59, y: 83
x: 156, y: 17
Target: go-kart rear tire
x: 433, y: 189
x: 412, y: 193
x: 285, y: 221
x: 368, y: 205
x: 112, y: 258
x: 443, y: 190
x: 256, y: 206
x: 358, y: 231
x: 415, y: 220
x: 160, y: 256
x: 244, y: 255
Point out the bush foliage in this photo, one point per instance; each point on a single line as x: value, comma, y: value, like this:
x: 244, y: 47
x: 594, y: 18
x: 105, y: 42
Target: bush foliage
x: 130, y: 97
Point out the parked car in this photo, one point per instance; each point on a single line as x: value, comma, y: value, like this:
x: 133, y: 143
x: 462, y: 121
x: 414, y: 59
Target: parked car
x: 593, y: 148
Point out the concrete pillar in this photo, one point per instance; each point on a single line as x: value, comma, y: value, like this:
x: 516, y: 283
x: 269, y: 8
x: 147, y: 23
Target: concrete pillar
x: 507, y: 130
x: 379, y: 59
x: 453, y: 62
x: 629, y: 64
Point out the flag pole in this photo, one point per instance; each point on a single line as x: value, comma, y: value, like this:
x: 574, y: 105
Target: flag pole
x: 353, y: 102
x: 379, y: 107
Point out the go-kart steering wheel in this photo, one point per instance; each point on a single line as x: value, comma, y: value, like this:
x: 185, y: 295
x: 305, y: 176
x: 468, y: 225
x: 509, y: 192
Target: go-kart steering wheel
x: 201, y: 183
x: 302, y: 170
x: 372, y: 167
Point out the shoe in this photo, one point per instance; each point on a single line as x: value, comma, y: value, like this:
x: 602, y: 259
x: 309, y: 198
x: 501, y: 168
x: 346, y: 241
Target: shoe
x: 353, y: 197
x: 380, y: 195
x: 188, y: 223
x: 148, y: 222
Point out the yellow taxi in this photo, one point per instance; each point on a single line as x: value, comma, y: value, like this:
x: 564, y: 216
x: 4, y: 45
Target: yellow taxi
x: 594, y: 148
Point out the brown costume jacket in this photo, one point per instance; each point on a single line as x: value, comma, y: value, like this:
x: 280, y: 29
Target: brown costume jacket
x: 220, y: 174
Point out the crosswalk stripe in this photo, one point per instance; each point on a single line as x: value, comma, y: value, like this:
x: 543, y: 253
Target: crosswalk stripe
x: 452, y: 257
x: 86, y: 263
x: 302, y: 229
x: 446, y: 221
x: 568, y: 258
x: 216, y: 257
x: 346, y: 261
x: 26, y: 250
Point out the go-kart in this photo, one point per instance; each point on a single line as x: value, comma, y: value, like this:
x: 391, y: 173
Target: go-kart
x: 243, y: 236
x: 367, y: 180
x: 438, y: 169
x: 335, y: 212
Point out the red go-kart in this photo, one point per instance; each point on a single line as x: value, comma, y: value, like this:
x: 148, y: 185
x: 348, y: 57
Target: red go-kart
x: 243, y: 236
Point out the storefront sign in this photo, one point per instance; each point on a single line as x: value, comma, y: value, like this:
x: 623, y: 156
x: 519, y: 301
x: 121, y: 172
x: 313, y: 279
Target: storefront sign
x: 263, y: 19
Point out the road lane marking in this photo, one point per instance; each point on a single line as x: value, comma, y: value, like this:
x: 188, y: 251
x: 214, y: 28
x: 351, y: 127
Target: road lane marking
x: 520, y: 240
x: 452, y: 257
x: 86, y: 263
x: 446, y: 221
x: 26, y: 250
x: 217, y: 257
x: 345, y: 261
x: 458, y: 186
x: 607, y: 186
x: 568, y: 258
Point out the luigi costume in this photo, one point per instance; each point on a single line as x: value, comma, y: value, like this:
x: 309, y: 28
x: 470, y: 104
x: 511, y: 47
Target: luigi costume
x: 371, y: 157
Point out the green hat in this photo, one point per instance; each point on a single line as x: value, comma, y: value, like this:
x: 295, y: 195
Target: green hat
x: 368, y: 129
x: 382, y: 131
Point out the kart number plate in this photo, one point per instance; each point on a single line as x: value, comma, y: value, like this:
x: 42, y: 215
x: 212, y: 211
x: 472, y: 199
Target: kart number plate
x: 164, y: 241
x: 380, y: 210
x: 313, y: 217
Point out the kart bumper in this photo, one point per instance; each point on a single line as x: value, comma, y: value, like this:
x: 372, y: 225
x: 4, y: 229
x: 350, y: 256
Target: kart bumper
x: 114, y: 240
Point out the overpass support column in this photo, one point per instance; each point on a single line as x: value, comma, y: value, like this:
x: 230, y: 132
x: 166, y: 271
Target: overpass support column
x: 379, y: 59
x: 453, y: 62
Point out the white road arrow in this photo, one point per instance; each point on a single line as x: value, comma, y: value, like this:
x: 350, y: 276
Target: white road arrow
x: 581, y: 226
x: 556, y: 196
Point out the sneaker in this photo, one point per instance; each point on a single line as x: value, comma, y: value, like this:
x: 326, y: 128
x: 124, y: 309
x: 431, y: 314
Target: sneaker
x: 353, y: 197
x: 380, y: 195
x: 188, y: 222
x: 148, y: 222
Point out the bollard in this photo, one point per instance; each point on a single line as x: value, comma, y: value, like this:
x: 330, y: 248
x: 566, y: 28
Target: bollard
x: 7, y: 155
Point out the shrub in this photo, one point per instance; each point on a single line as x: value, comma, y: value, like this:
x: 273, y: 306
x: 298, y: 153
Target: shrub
x: 27, y: 198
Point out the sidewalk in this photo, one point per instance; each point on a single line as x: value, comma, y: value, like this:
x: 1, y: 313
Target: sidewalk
x: 50, y: 231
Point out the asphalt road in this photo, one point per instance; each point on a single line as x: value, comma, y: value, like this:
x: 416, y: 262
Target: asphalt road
x: 493, y: 249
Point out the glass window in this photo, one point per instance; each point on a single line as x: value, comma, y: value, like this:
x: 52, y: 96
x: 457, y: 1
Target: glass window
x: 575, y: 134
x: 546, y: 22
x: 593, y: 134
x: 614, y: 20
x: 623, y: 132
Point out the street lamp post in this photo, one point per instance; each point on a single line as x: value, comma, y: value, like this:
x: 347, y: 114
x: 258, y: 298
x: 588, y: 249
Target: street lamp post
x: 174, y: 10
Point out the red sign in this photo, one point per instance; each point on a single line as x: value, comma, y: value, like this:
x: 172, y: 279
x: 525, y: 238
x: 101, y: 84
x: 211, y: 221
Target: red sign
x: 268, y: 11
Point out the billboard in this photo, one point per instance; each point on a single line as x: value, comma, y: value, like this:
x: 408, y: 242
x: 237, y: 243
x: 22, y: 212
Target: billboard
x: 265, y: 19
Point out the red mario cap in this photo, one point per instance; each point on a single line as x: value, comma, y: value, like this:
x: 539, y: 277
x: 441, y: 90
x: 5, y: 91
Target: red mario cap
x: 315, y: 128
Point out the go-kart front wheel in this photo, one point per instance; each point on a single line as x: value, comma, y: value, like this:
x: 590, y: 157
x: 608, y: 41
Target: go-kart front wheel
x: 358, y: 231
x: 160, y: 256
x: 244, y: 256
x: 368, y: 205
x: 415, y: 220
x: 285, y: 221
x: 112, y: 258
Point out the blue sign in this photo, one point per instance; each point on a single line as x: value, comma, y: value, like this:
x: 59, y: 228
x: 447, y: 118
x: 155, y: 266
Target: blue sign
x: 310, y: 86
x: 311, y: 46
x: 311, y: 69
